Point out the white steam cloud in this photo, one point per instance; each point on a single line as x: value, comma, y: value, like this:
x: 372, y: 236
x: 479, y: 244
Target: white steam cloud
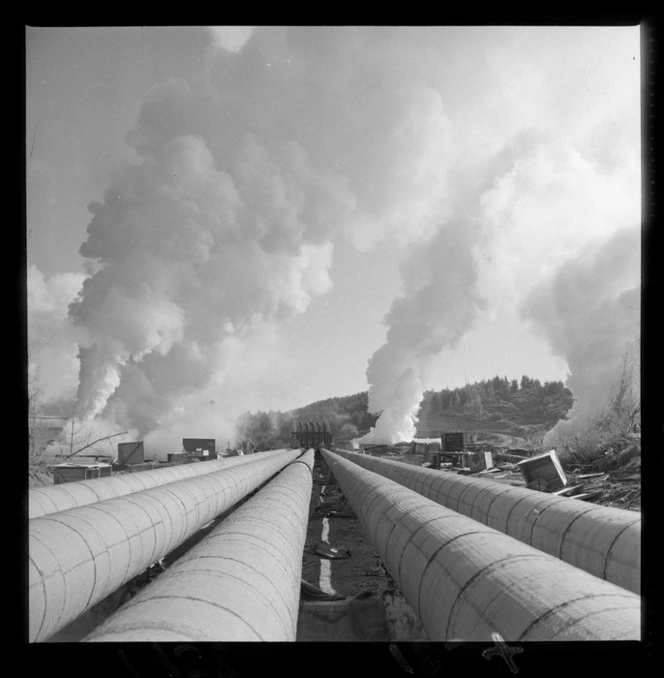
x: 190, y: 254
x: 522, y: 208
x: 227, y: 221
x: 590, y: 313
x: 438, y: 305
x: 457, y: 144
x: 53, y: 342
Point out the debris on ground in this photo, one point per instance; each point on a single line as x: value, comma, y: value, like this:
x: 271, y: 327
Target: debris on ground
x: 310, y: 592
x: 508, y: 457
x: 588, y: 495
x: 569, y: 491
x: 328, y: 551
x: 340, y: 514
x: 617, y: 486
x: 493, y: 469
x: 373, y: 572
x: 617, y: 483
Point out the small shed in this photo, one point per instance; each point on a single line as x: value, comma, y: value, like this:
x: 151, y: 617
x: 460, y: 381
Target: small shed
x: 68, y: 472
x: 200, y: 448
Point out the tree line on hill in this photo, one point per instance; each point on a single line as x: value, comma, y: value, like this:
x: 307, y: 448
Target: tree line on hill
x: 499, y: 402
x: 503, y: 401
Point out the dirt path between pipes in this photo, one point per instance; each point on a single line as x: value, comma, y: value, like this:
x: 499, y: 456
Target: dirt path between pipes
x: 348, y: 576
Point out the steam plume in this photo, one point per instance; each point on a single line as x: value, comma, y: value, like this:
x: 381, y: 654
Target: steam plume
x: 590, y: 313
x: 226, y: 222
x: 438, y: 305
x: 52, y: 347
x: 457, y: 144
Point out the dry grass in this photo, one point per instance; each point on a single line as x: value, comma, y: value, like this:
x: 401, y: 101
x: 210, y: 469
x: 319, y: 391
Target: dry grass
x: 615, y: 430
x: 39, y: 473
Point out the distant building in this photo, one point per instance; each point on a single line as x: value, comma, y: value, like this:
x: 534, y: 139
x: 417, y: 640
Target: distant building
x: 201, y: 448
x: 68, y: 472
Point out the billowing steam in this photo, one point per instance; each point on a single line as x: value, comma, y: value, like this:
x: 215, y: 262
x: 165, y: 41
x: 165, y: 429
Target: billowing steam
x: 438, y: 305
x: 552, y: 186
x: 590, y: 313
x: 226, y: 222
x: 52, y: 347
x: 540, y: 202
x: 191, y: 255
x: 455, y: 144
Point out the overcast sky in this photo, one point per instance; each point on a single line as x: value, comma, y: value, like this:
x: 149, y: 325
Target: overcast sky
x: 261, y: 214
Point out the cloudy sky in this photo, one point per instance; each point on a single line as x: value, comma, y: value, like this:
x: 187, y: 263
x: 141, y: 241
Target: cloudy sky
x: 232, y: 218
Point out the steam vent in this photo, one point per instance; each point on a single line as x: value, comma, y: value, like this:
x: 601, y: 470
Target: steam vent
x: 318, y: 543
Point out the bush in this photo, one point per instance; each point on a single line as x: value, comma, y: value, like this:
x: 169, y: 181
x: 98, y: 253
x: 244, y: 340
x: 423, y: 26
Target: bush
x: 615, y: 428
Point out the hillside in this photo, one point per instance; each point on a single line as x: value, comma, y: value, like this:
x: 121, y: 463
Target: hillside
x: 504, y: 412
x: 511, y: 412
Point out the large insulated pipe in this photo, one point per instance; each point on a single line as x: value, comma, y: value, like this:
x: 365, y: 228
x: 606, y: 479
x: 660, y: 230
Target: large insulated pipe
x: 54, y: 498
x: 601, y: 540
x: 240, y: 583
x: 467, y: 581
x: 79, y: 556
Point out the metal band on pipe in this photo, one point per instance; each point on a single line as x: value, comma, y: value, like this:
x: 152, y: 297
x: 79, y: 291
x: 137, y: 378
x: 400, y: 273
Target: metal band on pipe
x: 240, y: 583
x: 601, y: 540
x: 54, y: 498
x: 467, y: 581
x: 78, y: 557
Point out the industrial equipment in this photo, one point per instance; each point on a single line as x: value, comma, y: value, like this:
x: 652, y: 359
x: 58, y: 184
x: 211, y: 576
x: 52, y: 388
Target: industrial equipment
x: 130, y: 453
x: 201, y: 448
x: 311, y: 434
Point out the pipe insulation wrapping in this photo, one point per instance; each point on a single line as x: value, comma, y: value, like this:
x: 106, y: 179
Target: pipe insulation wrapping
x: 604, y: 541
x: 78, y: 557
x: 54, y: 498
x: 466, y: 580
x: 240, y: 583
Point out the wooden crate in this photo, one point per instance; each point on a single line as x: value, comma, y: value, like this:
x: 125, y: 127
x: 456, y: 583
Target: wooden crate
x: 480, y: 461
x: 543, y: 472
